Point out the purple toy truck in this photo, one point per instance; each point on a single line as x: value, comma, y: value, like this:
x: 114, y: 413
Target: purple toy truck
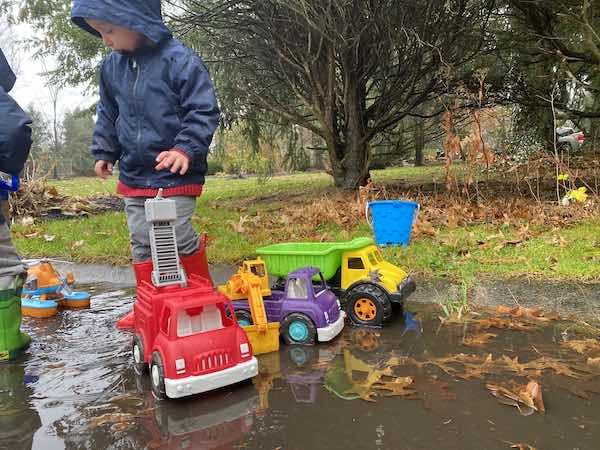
x: 307, y: 312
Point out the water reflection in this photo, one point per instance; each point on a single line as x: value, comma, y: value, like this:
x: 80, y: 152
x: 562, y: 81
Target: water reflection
x: 88, y: 396
x: 219, y: 420
x: 18, y: 419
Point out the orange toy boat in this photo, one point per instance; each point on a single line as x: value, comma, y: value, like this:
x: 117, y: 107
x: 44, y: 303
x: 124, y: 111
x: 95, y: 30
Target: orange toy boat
x: 45, y: 290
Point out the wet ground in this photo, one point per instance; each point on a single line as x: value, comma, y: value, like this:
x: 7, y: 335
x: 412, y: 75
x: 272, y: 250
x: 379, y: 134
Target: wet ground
x: 76, y: 388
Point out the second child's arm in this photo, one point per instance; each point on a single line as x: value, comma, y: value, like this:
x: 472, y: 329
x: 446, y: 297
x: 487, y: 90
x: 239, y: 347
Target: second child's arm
x: 15, y: 135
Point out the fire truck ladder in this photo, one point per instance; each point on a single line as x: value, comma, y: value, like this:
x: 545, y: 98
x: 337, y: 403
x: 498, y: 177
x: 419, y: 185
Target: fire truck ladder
x: 161, y: 213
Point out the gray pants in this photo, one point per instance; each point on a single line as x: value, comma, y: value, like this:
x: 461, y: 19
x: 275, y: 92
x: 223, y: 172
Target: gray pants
x: 10, y: 262
x: 139, y: 229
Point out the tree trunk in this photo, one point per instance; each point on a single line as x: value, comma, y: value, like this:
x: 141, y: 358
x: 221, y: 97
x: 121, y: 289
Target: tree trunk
x: 352, y: 170
x: 419, y: 142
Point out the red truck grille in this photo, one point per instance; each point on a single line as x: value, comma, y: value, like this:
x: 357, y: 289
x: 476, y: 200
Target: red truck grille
x: 213, y: 361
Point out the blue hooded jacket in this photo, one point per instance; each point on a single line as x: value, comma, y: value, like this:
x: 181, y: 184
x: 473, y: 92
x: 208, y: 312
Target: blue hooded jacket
x: 15, y: 134
x: 156, y: 98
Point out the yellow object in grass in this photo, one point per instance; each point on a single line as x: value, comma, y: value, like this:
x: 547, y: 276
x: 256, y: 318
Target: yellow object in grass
x: 579, y: 195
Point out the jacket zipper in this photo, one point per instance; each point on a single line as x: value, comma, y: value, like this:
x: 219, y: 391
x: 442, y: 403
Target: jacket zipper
x: 136, y: 66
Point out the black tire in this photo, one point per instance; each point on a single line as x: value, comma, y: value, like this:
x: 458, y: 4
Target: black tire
x: 368, y: 305
x: 157, y: 376
x: 297, y: 328
x: 137, y: 348
x: 243, y: 316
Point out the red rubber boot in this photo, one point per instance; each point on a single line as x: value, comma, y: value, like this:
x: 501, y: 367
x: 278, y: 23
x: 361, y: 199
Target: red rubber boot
x: 197, y: 263
x: 143, y: 272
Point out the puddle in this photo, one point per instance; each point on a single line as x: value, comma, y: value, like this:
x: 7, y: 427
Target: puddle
x: 76, y: 388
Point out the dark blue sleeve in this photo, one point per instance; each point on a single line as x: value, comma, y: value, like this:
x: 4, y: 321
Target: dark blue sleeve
x: 15, y: 135
x: 105, y: 144
x: 200, y: 111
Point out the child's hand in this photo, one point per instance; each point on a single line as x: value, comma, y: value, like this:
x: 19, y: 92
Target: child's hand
x: 104, y: 169
x: 174, y: 159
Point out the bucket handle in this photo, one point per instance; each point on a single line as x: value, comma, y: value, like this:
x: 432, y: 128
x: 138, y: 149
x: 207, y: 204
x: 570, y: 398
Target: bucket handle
x: 367, y: 204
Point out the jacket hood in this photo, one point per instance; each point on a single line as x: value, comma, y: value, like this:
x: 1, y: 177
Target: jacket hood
x: 142, y: 16
x: 7, y: 77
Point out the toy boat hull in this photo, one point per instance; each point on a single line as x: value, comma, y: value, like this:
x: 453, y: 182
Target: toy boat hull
x: 76, y: 300
x: 32, y: 307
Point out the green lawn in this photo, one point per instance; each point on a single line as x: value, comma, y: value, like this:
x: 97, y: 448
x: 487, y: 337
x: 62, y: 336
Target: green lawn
x: 222, y: 188
x: 464, y: 253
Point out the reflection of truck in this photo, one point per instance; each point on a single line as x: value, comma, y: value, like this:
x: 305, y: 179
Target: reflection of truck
x: 216, y: 422
x: 185, y: 331
x: 365, y: 281
x: 301, y: 368
x: 307, y: 311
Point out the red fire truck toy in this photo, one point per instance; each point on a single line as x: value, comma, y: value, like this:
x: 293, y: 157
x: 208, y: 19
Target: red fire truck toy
x: 185, y: 332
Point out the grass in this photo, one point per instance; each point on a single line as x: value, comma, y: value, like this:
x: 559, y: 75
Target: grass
x: 222, y: 188
x: 462, y: 253
x: 571, y: 253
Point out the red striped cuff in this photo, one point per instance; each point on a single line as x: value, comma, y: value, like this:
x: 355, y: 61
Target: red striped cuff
x: 189, y: 190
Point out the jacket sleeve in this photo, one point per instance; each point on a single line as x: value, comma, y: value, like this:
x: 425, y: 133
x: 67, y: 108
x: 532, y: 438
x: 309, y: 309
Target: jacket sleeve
x: 200, y: 112
x: 105, y: 144
x: 15, y: 135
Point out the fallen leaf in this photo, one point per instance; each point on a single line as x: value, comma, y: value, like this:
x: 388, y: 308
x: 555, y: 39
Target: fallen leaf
x: 594, y: 362
x: 582, y: 346
x: 478, y: 340
x: 122, y: 426
x: 529, y: 313
x: 398, y: 387
x: 533, y: 391
x: 111, y: 418
x: 27, y: 221
x: 239, y: 225
x: 521, y: 446
x: 497, y: 322
x: 78, y: 244
x: 527, y: 400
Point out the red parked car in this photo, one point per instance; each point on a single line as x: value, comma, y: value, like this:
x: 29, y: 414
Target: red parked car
x: 189, y: 339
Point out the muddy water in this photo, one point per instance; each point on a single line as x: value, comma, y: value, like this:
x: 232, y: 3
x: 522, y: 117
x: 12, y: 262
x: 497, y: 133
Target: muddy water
x: 76, y: 388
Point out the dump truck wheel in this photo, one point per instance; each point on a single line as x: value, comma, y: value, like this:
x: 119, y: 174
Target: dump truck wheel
x: 366, y: 305
x: 297, y: 328
x: 157, y: 376
x: 243, y: 317
x: 139, y: 365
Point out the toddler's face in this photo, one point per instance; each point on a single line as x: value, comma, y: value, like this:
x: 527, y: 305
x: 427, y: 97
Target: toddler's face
x: 117, y: 38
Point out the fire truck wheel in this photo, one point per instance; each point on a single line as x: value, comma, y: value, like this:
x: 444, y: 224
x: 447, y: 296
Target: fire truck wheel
x: 297, y: 328
x: 157, y: 376
x: 243, y: 317
x: 366, y: 305
x: 138, y: 356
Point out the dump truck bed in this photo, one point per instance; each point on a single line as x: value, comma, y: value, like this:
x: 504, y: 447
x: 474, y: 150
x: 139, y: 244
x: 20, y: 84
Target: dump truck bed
x: 281, y: 259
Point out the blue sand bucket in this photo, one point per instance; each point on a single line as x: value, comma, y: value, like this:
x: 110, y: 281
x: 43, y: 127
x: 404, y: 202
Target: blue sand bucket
x: 392, y: 221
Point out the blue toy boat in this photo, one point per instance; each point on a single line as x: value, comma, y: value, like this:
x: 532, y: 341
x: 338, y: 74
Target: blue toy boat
x: 36, y: 307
